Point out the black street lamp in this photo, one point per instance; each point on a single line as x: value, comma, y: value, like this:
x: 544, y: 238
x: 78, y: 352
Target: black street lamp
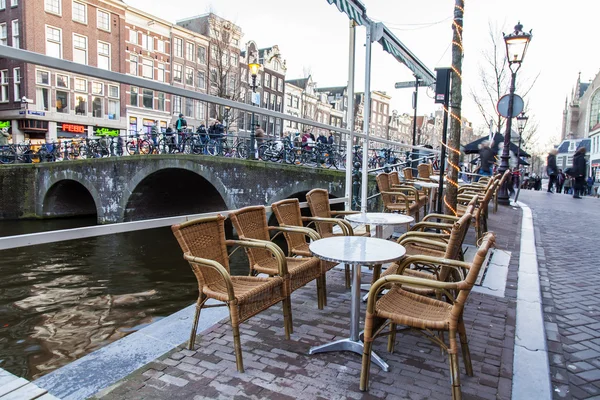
x: 254, y: 67
x: 521, y: 123
x: 516, y: 47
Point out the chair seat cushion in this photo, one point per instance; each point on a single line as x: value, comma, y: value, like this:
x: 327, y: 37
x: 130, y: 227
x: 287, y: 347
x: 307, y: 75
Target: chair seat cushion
x: 246, y: 288
x: 406, y: 308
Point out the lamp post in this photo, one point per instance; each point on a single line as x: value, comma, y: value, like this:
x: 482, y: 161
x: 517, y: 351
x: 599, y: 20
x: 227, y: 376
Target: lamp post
x: 516, y: 47
x: 254, y: 67
x: 521, y: 123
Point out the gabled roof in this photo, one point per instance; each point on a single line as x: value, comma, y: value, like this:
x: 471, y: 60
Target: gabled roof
x: 564, y: 146
x: 582, y: 88
x: 301, y: 83
x: 332, y: 90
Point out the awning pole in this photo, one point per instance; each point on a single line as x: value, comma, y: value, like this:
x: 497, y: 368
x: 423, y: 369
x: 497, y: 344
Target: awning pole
x: 366, y: 123
x: 350, y: 115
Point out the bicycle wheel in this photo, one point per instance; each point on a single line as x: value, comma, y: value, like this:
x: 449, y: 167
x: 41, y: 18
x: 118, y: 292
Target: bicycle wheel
x: 7, y: 156
x: 241, y: 150
x: 144, y: 147
x: 131, y: 147
x: 212, y: 147
x: 263, y: 153
x: 289, y: 156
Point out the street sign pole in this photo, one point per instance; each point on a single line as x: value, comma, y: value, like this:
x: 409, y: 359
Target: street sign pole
x: 413, y: 157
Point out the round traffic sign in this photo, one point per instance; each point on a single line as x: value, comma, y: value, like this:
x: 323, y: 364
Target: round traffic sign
x: 502, y: 106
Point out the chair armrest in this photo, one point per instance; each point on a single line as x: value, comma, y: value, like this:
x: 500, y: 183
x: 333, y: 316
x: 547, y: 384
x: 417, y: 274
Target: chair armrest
x: 433, y: 225
x: 446, y: 262
x: 344, y: 212
x: 343, y: 224
x: 440, y: 216
x: 424, y: 241
x: 216, y: 266
x: 427, y: 235
x: 311, y: 233
x: 263, y: 244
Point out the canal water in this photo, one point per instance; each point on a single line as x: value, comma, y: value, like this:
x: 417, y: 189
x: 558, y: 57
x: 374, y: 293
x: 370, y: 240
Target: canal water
x: 61, y: 301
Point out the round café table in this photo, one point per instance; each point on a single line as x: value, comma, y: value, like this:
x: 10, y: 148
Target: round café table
x: 379, y: 220
x: 355, y: 250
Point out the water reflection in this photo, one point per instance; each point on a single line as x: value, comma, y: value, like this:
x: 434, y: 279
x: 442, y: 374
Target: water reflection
x: 63, y: 300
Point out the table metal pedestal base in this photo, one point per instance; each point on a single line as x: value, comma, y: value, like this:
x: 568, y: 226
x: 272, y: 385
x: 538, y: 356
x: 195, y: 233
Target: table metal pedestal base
x: 349, y: 345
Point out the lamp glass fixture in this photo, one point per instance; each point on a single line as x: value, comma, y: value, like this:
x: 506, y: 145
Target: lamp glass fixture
x: 516, y: 44
x: 254, y: 67
x: 521, y: 122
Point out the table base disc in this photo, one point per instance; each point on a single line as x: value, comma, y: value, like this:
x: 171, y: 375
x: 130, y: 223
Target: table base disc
x: 349, y: 345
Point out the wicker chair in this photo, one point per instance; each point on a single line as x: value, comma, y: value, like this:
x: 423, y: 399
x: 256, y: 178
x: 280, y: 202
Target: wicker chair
x: 323, y: 218
x: 205, y: 248
x: 251, y: 224
x: 481, y: 212
x: 395, y: 182
x: 394, y: 201
x: 425, y: 314
x: 424, y: 171
x: 408, y: 174
x: 289, y: 215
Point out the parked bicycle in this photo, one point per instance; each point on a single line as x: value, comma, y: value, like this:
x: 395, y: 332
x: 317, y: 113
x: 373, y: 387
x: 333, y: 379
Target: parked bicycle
x: 277, y: 151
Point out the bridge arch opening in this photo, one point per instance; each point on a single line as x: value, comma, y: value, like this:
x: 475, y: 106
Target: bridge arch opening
x: 68, y: 198
x: 170, y: 192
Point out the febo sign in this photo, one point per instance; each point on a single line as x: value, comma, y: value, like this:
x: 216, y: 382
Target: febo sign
x: 101, y: 131
x: 73, y: 128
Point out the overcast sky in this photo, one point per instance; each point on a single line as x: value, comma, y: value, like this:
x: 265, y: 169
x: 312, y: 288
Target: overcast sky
x: 313, y: 35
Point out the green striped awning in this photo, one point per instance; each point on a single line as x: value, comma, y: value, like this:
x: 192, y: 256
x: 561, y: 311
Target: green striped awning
x: 353, y: 8
x: 395, y: 47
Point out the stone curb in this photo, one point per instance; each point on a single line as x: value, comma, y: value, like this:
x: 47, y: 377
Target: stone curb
x: 531, y: 368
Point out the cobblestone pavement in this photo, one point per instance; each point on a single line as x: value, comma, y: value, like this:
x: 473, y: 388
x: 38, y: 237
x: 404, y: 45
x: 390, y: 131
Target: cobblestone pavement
x: 282, y: 369
x: 567, y: 232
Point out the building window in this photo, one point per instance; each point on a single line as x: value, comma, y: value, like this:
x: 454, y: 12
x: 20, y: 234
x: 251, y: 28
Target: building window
x: 199, y: 110
x: 189, y: 76
x: 17, y: 84
x: 280, y: 85
x: 62, y: 81
x: 133, y: 96
x: 2, y: 4
x: 4, y: 85
x: 114, y: 108
x: 177, y: 73
x: 15, y: 34
x: 189, y: 51
x: 80, y: 49
x: 14, y: 3
x: 147, y: 68
x: 213, y: 77
x: 202, y: 55
x: 161, y: 101
x: 53, y: 6
x: 53, y: 41
x: 42, y: 98
x: 201, y: 80
x: 595, y: 111
x: 273, y: 82
x: 79, y: 12
x: 80, y: 105
x: 147, y: 98
x: 98, y: 88
x: 189, y: 107
x: 133, y: 36
x: 103, y: 20
x: 267, y: 80
x: 62, y: 102
x: 233, y: 59
x: 3, y: 34
x: 104, y: 55
x: 160, y: 45
x: 42, y: 77
x: 176, y: 105
x: 161, y: 72
x: 81, y: 85
x: 113, y: 91
x: 178, y: 47
x: 97, y: 103
x: 133, y: 64
x: 147, y: 42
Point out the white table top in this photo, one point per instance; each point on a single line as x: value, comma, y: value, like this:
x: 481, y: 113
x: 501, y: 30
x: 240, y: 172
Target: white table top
x: 376, y: 218
x: 437, y: 178
x: 357, y: 250
x: 430, y: 185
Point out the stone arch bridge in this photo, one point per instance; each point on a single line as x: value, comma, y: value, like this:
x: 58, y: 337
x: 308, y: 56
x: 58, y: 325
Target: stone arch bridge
x: 141, y: 187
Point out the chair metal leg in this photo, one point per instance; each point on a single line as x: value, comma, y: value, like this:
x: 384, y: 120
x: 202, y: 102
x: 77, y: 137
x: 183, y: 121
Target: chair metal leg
x: 455, y: 376
x: 320, y: 292
x: 287, y: 317
x: 324, y: 289
x: 366, y: 366
x: 201, y: 300
x: 464, y: 346
x: 376, y: 273
x: 237, y: 344
x: 347, y: 274
x: 392, y: 338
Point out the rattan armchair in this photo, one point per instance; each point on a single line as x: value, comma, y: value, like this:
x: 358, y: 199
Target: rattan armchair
x: 205, y: 248
x: 394, y: 201
x: 481, y: 211
x: 424, y: 171
x: 422, y: 313
x: 408, y: 174
x: 251, y: 224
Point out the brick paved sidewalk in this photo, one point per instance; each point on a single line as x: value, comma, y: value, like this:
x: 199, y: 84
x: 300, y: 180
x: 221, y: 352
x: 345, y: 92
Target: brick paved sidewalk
x: 567, y: 232
x: 280, y: 369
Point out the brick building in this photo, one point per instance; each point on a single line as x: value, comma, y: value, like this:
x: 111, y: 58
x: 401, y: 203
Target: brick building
x: 43, y: 104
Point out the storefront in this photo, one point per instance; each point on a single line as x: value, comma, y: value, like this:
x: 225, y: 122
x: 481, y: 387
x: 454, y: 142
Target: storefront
x: 144, y: 125
x: 34, y: 130
x: 71, y: 131
x: 103, y: 131
x: 595, y: 165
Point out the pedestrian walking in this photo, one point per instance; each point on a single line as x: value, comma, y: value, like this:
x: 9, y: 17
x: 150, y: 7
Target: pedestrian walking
x: 590, y: 185
x: 486, y: 159
x: 330, y: 139
x: 551, y: 169
x: 579, y: 172
x: 560, y: 181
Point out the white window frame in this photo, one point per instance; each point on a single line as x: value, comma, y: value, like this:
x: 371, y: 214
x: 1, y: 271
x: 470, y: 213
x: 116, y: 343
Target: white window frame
x: 85, y: 19
x: 178, y: 49
x: 60, y: 52
x: 4, y: 86
x: 4, y: 34
x: 160, y: 45
x: 99, y: 55
x: 80, y: 48
x: 147, y: 42
x: 98, y: 13
x: 36, y: 77
x: 199, y: 73
x: 15, y: 34
x: 17, y: 83
x: 137, y: 64
x: 85, y: 82
x: 113, y: 87
x: 180, y: 67
x: 2, y: 4
x: 189, y: 55
x: 67, y: 81
x: 14, y: 3
x: 201, y: 61
x: 145, y: 65
x: 161, y: 72
x: 53, y: 4
x: 133, y: 35
x: 101, y: 93
x: 187, y: 74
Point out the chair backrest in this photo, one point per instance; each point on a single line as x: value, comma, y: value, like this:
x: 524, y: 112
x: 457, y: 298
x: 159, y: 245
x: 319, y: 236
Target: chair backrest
x: 457, y: 236
x: 288, y: 212
x: 318, y: 203
x: 205, y: 238
x: 408, y: 173
x: 466, y: 285
x: 489, y: 193
x: 383, y: 184
x: 251, y: 223
x: 424, y: 171
x: 505, y: 176
x: 394, y: 178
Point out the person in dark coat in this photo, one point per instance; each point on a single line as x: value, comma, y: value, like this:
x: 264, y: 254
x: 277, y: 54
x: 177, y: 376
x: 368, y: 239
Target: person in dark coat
x: 551, y: 169
x: 579, y: 172
x: 486, y: 157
